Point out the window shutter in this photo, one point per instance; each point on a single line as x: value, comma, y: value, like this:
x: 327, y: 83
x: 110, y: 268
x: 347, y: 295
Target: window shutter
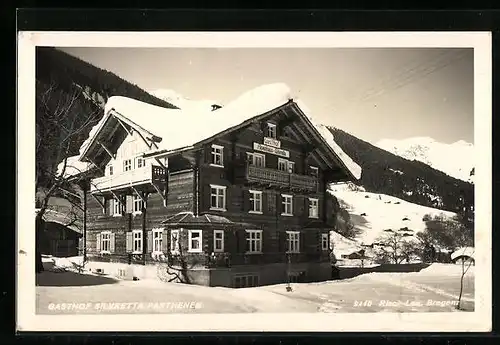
x: 166, y: 240
x: 264, y: 202
x: 98, y: 243
x: 246, y: 200
x: 302, y: 244
x: 227, y: 195
x: 110, y: 206
x: 237, y: 240
x: 205, y: 241
x: 271, y: 202
x: 150, y: 241
x: 129, y: 204
x: 208, y: 154
x: 112, y: 243
x: 129, y: 242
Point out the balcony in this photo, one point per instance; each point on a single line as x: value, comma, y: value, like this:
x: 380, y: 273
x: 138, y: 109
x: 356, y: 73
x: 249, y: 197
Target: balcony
x: 277, y: 178
x: 147, y: 174
x: 230, y: 259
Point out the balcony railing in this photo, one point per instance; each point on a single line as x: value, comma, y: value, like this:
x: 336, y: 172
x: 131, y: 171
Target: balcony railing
x: 231, y: 259
x: 146, y: 174
x: 278, y: 178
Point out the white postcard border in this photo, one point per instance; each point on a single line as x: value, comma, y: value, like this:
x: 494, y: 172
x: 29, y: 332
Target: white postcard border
x: 479, y: 320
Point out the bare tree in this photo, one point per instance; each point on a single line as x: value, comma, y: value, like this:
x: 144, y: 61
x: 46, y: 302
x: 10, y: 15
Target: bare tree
x: 396, y: 245
x: 175, y: 266
x: 60, y: 124
x: 464, y: 272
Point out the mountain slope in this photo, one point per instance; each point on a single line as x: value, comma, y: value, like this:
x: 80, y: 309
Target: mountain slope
x: 413, y: 181
x: 456, y: 159
x: 372, y: 213
x: 71, y: 91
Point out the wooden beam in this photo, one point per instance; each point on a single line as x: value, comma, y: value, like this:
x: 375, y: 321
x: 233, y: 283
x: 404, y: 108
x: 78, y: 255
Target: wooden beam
x: 138, y: 194
x: 106, y: 149
x: 117, y: 198
x: 99, y: 202
x: 160, y: 163
x: 159, y: 191
x: 284, y: 122
x: 143, y: 139
x: 309, y: 141
x: 123, y: 125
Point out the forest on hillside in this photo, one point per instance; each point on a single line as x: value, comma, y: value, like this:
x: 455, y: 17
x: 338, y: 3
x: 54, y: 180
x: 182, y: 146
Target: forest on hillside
x: 413, y: 181
x: 71, y: 94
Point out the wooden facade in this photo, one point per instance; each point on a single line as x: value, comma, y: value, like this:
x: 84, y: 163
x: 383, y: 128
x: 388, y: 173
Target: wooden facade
x: 270, y: 174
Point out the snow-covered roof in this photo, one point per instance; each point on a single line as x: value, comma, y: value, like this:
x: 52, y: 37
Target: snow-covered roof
x: 65, y: 219
x: 73, y: 167
x: 201, y: 124
x: 182, y: 102
x: 465, y: 251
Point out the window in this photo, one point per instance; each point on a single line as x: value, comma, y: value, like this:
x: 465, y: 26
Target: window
x: 243, y: 281
x: 140, y: 162
x: 293, y: 241
x: 257, y: 159
x: 313, y: 208
x: 282, y: 164
x: 314, y: 171
x: 218, y: 240
x: 217, y: 155
x: 286, y: 165
x: 110, y: 170
x: 157, y: 240
x: 218, y: 197
x: 255, y: 201
x: 271, y: 130
x: 137, y: 241
x: 117, y: 207
x: 137, y: 204
x: 254, y: 241
x: 174, y: 241
x: 127, y: 165
x: 324, y: 242
x: 286, y: 201
x: 105, y: 242
x: 194, y: 241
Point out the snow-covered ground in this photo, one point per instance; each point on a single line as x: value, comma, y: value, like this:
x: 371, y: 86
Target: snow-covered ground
x: 459, y: 155
x: 434, y: 288
x: 373, y: 213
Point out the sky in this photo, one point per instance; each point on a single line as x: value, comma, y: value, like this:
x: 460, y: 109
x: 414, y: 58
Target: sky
x: 372, y: 93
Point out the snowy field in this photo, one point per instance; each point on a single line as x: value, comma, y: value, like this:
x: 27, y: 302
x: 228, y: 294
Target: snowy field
x: 433, y: 289
x: 372, y: 213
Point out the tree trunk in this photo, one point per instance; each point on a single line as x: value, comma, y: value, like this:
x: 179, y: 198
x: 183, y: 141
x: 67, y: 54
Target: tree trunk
x: 461, y: 285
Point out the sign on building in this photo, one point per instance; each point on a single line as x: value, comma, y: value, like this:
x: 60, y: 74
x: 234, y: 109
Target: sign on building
x: 271, y: 150
x: 272, y: 142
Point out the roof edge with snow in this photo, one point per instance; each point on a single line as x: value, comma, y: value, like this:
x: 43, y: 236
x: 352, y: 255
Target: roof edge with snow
x: 251, y: 105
